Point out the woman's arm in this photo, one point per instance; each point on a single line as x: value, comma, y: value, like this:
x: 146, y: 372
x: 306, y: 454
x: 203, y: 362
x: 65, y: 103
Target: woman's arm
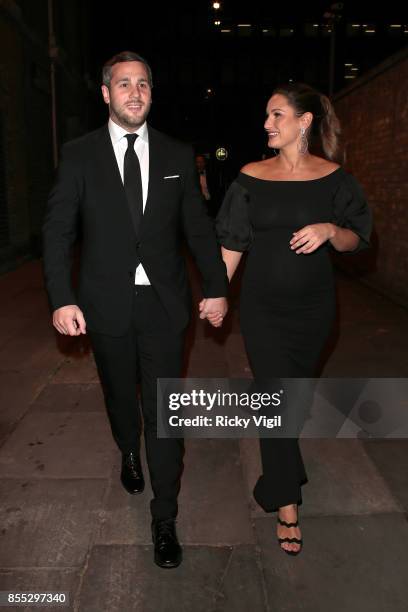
x: 310, y: 237
x: 231, y: 260
x: 343, y: 239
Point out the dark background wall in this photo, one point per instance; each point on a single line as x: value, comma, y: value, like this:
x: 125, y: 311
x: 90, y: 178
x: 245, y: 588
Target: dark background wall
x: 26, y: 100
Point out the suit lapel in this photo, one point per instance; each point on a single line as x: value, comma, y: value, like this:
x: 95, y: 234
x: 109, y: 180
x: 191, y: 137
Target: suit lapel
x: 107, y: 159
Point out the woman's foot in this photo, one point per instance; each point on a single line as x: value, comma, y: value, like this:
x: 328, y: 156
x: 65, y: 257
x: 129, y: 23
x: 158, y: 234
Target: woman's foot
x: 289, y: 534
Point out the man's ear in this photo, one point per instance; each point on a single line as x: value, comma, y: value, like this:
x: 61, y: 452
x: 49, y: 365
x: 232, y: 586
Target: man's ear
x: 105, y: 94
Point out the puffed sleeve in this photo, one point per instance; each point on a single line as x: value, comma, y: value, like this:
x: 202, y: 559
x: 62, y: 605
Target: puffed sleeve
x: 233, y: 227
x: 350, y: 210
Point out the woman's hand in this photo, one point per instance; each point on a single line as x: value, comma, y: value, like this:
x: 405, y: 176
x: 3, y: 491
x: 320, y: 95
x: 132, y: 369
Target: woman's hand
x: 310, y: 237
x: 213, y: 309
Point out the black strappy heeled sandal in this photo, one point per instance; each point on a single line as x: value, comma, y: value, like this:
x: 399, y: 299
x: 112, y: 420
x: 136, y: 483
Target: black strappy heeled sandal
x: 290, y: 540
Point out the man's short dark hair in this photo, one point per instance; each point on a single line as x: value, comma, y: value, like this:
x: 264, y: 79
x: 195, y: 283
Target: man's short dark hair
x: 124, y: 56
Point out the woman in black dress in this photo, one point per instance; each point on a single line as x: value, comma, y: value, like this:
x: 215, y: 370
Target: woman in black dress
x: 287, y: 212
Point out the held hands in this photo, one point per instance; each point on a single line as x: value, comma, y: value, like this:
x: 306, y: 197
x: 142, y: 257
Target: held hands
x: 213, y: 309
x: 310, y: 237
x: 69, y: 320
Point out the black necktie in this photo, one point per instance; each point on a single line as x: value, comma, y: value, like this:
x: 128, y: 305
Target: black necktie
x: 132, y: 180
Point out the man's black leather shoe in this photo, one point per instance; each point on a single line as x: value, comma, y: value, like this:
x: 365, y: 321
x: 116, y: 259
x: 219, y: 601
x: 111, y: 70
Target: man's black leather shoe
x: 132, y: 475
x: 167, y: 550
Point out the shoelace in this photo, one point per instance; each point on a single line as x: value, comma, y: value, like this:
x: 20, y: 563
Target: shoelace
x: 132, y: 463
x: 165, y: 531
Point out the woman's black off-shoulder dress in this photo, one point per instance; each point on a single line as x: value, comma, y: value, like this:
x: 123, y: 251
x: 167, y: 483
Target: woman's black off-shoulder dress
x: 287, y: 303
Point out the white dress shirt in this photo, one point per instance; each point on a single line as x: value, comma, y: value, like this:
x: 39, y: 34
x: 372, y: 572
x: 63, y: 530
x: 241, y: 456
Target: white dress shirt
x: 120, y: 144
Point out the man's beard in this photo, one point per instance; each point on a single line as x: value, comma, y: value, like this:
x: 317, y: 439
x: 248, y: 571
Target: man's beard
x: 129, y: 120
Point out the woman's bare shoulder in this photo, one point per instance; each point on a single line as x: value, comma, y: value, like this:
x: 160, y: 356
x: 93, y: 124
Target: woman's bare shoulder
x: 257, y: 169
x: 325, y: 166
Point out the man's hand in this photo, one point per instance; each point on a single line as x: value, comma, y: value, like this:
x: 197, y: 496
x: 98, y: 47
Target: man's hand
x: 69, y: 320
x: 213, y: 309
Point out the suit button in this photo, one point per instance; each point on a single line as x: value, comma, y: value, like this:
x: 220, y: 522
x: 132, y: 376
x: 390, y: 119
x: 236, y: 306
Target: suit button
x: 130, y: 273
x: 138, y: 245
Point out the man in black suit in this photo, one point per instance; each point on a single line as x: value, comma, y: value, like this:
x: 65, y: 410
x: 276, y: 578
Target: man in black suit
x: 135, y: 192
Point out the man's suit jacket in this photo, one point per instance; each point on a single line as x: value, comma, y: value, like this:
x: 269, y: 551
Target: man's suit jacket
x: 89, y: 188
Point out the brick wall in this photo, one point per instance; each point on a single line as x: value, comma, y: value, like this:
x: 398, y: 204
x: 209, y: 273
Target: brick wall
x: 374, y: 115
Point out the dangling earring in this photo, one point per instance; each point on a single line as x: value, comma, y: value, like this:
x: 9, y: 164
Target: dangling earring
x: 303, y: 144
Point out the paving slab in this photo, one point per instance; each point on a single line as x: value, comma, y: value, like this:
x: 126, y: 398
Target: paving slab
x: 242, y: 587
x: 26, y: 301
x: 342, y: 479
x: 59, y: 445
x: 212, y: 492
x: 364, y: 366
x: 348, y: 563
x: 126, y: 518
x: 48, y: 523
x: 66, y: 397
x: 210, y: 579
x: 212, y: 504
x: 33, y: 580
x: 11, y: 326
x: 79, y: 367
x: 34, y: 348
x: 17, y: 391
x: 390, y: 458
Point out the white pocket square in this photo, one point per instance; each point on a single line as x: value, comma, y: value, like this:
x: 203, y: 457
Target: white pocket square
x: 172, y: 176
